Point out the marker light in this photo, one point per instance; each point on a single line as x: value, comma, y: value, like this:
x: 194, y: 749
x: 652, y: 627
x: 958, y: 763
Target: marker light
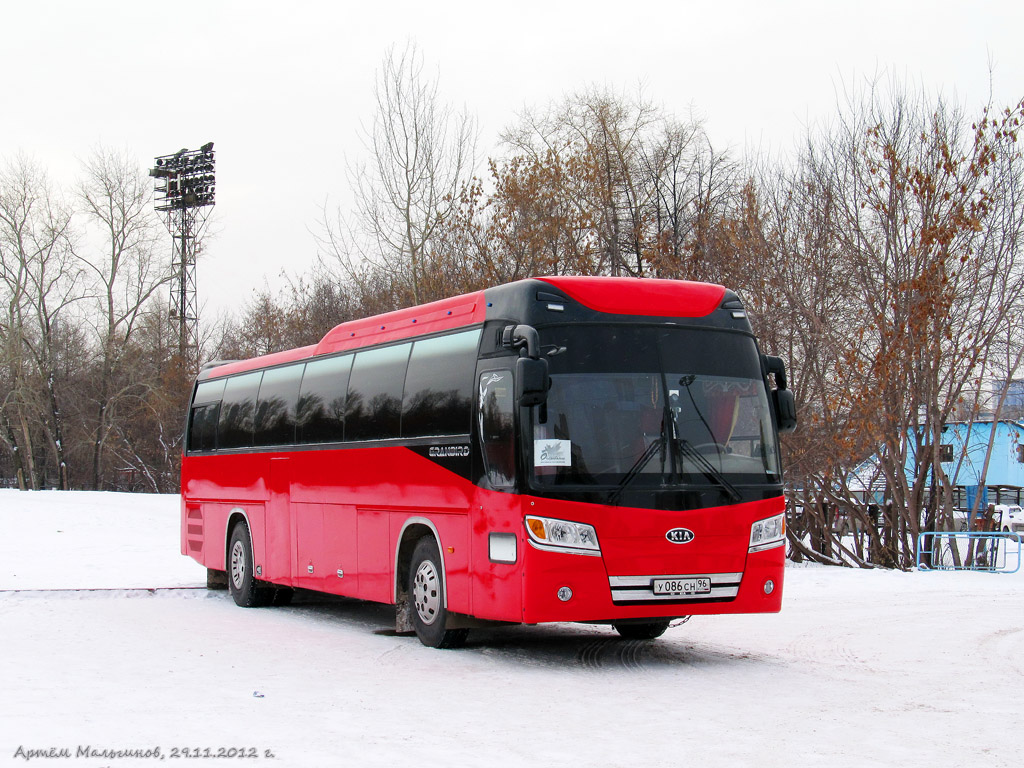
x: 536, y: 527
x: 562, y: 535
x: 501, y: 547
x: 768, y: 533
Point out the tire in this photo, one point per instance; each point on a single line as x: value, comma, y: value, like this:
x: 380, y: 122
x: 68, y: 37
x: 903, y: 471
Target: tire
x: 245, y: 590
x: 646, y: 631
x: 426, y: 598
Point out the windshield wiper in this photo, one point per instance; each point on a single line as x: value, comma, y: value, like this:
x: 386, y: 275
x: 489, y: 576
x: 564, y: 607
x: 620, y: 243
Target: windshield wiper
x: 638, y: 466
x: 683, y: 445
x: 674, y: 448
x: 707, y: 468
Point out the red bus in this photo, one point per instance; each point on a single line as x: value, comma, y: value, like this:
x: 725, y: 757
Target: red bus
x: 584, y: 449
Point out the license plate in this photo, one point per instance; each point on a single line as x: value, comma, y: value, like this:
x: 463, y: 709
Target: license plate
x: 699, y: 586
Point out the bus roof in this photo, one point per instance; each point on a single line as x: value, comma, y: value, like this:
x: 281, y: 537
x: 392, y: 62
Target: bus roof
x: 642, y: 295
x: 649, y: 297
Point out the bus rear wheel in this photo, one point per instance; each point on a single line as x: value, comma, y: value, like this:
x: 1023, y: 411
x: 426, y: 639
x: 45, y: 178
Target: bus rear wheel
x: 646, y: 631
x: 242, y: 583
x: 426, y: 598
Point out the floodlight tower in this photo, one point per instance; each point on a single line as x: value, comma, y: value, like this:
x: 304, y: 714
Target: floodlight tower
x: 185, y: 195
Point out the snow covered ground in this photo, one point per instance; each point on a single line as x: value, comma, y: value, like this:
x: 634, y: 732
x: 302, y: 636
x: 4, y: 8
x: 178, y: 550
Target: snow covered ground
x: 108, y: 642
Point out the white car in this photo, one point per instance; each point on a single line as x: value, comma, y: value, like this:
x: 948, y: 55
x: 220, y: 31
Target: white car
x: 1010, y: 518
x: 959, y: 519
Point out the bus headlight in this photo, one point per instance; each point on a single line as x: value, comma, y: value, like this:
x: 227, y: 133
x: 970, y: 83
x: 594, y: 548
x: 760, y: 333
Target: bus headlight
x: 562, y: 535
x: 768, y: 533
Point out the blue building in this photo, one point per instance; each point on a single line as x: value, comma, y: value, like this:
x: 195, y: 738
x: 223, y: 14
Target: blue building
x: 962, y: 452
x: 963, y: 449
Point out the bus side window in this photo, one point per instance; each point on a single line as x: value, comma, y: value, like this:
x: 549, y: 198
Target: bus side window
x: 439, y: 386
x: 234, y: 430
x: 275, y: 406
x: 202, y: 428
x: 320, y: 412
x: 374, y: 407
x: 202, y: 435
x: 497, y: 436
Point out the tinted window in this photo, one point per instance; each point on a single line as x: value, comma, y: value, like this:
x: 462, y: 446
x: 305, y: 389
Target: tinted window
x: 320, y: 416
x: 439, y: 385
x: 374, y: 407
x: 237, y: 410
x: 497, y: 406
x: 209, y: 392
x: 657, y: 407
x: 202, y: 434
x: 627, y: 349
x: 202, y: 431
x: 275, y: 406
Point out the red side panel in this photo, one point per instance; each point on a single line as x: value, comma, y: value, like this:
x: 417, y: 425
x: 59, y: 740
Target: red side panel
x: 642, y: 296
x: 332, y: 520
x: 329, y: 520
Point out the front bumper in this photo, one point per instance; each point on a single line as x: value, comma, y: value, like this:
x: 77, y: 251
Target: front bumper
x: 599, y: 596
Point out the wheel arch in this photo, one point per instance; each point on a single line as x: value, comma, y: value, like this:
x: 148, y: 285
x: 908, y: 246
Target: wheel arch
x: 414, y: 529
x: 236, y: 515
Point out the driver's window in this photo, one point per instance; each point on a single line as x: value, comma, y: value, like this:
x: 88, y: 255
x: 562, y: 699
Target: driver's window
x: 497, y: 433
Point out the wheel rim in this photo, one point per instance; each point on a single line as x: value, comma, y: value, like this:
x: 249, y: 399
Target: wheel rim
x: 238, y: 564
x: 426, y: 592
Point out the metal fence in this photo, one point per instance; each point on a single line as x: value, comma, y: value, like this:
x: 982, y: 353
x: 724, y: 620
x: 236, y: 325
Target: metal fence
x: 969, y: 551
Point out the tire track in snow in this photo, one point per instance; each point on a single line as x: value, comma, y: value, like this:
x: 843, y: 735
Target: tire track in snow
x: 611, y: 651
x: 99, y: 590
x: 1005, y: 645
x: 823, y: 647
x: 652, y: 655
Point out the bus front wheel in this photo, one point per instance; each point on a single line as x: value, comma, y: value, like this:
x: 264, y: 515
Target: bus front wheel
x: 426, y: 598
x: 242, y: 583
x: 647, y: 631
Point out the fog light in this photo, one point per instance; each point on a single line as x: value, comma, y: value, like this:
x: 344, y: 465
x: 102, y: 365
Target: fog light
x: 769, y: 587
x: 564, y: 594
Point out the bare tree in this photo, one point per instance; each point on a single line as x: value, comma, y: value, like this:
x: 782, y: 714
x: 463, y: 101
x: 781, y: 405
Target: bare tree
x: 627, y: 189
x: 39, y: 282
x: 125, y: 272
x: 421, y: 152
x: 595, y: 141
x: 892, y: 251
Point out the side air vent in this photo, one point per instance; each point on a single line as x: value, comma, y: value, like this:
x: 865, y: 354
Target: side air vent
x: 194, y: 532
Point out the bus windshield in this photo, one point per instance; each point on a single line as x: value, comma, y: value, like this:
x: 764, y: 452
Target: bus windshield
x: 652, y: 408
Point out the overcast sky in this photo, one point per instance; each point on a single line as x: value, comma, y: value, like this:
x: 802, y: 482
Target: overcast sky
x: 282, y: 88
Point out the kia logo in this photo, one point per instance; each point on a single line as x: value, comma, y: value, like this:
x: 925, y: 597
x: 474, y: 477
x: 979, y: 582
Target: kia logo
x: 680, y: 535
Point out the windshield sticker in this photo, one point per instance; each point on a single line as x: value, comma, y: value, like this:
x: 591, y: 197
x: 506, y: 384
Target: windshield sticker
x: 552, y: 453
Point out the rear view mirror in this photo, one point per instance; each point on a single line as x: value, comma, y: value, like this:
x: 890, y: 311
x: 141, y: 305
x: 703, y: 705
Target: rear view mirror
x: 531, y: 381
x: 785, y: 409
x: 783, y: 402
